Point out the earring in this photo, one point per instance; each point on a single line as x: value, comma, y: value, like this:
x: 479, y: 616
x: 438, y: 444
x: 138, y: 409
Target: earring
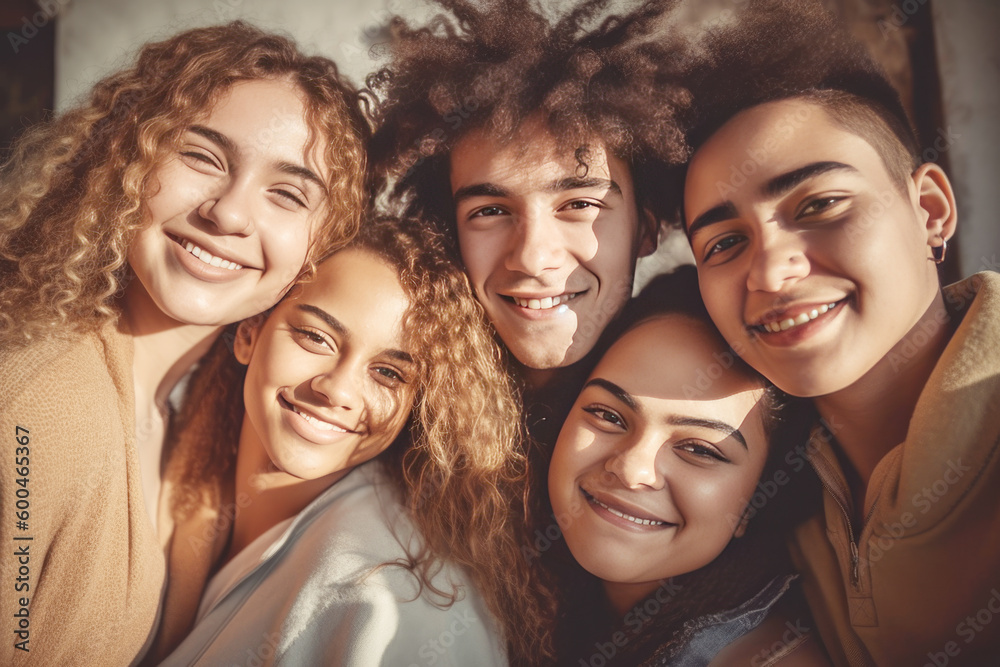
x: 938, y: 251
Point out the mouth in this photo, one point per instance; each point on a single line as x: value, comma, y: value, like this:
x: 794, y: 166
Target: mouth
x: 204, y: 255
x: 542, y: 303
x: 786, y: 320
x: 313, y: 420
x: 637, y: 520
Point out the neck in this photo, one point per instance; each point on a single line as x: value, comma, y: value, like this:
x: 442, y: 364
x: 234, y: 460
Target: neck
x: 270, y: 495
x: 165, y: 349
x: 871, y: 417
x: 624, y: 596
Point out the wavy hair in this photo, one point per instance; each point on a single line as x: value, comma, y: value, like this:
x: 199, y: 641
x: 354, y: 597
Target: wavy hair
x: 460, y: 467
x: 72, y: 192
x: 494, y: 66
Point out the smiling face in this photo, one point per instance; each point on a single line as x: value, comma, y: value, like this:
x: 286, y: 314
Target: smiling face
x: 650, y: 478
x: 330, y: 383
x: 551, y: 254
x: 812, y: 261
x: 233, y: 209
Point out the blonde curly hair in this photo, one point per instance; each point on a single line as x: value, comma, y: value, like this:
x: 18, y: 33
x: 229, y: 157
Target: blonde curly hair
x: 461, y: 466
x: 72, y: 193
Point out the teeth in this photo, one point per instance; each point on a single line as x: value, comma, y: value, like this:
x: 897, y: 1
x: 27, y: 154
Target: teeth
x: 802, y: 318
x: 321, y: 425
x: 209, y: 258
x: 628, y: 517
x: 545, y: 303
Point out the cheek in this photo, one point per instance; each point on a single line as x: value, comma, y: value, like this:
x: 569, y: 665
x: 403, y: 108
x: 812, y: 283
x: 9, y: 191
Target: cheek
x: 285, y: 246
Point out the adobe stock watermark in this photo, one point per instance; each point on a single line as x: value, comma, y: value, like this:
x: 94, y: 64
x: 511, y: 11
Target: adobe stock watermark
x: 899, y: 16
x: 30, y: 25
x: 967, y: 630
x: 634, y: 621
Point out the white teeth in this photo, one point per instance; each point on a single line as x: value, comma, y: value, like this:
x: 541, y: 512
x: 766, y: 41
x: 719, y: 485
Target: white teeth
x: 629, y: 517
x: 544, y: 303
x: 801, y: 318
x: 321, y: 425
x: 209, y: 258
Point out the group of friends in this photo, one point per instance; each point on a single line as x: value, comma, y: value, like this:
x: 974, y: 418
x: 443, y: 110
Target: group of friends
x: 297, y: 373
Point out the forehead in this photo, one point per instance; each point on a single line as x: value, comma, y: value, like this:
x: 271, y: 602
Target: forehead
x: 358, y: 288
x: 531, y: 160
x: 772, y: 139
x: 679, y: 359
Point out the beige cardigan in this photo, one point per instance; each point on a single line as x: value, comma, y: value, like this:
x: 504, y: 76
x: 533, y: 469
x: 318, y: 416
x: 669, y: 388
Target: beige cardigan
x: 95, y: 570
x: 923, y: 586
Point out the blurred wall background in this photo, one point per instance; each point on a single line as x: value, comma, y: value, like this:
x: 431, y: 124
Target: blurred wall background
x: 941, y: 54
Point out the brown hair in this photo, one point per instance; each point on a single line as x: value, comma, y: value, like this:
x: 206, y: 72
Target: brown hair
x: 783, y: 49
x: 460, y: 466
x: 493, y: 67
x: 72, y: 193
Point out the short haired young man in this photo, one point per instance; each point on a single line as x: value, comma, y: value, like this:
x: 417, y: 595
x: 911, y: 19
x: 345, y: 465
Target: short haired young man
x: 817, y: 232
x: 534, y: 143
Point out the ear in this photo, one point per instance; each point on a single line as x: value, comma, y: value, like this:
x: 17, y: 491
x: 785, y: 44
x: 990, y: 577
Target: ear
x: 741, y: 527
x: 936, y: 203
x: 649, y: 233
x: 246, y: 338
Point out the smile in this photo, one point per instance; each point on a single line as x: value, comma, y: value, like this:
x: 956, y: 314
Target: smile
x: 628, y: 517
x: 313, y: 421
x: 208, y: 257
x: 797, y: 321
x: 544, y: 303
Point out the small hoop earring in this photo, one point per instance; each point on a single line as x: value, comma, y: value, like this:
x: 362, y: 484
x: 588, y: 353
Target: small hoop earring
x: 938, y: 251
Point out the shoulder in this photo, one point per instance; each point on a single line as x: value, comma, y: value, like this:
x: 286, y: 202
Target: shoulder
x: 785, y: 637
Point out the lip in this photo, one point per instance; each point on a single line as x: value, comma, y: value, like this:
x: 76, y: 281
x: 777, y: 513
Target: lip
x: 304, y: 423
x: 806, y: 320
x: 611, y: 509
x: 199, y: 268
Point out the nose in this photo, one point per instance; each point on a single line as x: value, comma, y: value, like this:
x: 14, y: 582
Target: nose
x: 340, y: 385
x: 229, y: 208
x: 538, y: 244
x: 778, y: 259
x: 635, y: 465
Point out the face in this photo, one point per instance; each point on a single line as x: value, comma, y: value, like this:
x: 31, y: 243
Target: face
x: 329, y: 383
x: 811, y: 259
x: 650, y: 476
x: 550, y: 253
x: 233, y: 209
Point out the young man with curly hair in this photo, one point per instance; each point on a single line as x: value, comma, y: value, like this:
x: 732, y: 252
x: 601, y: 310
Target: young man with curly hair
x: 530, y: 141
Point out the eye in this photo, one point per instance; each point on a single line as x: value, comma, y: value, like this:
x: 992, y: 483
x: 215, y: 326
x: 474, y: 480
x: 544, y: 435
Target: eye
x: 201, y: 158
x: 487, y: 212
x: 820, y: 205
x: 723, y: 244
x: 289, y: 198
x: 312, y: 340
x: 701, y: 451
x: 606, y: 415
x: 390, y: 374
x: 580, y: 204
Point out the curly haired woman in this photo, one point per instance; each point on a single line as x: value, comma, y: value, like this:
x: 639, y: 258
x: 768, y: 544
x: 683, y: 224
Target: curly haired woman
x: 345, y: 497
x: 189, y: 192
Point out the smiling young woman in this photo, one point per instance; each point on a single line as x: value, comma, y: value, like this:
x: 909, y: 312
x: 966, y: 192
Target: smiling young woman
x: 337, y: 495
x: 188, y: 192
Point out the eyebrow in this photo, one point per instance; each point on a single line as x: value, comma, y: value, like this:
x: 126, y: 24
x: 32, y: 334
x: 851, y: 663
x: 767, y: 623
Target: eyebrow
x: 216, y: 137
x: 714, y: 424
x: 577, y: 183
x: 302, y: 172
x: 785, y: 182
x: 559, y: 185
x: 674, y: 420
x: 615, y: 391
x: 776, y: 186
x: 338, y: 326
